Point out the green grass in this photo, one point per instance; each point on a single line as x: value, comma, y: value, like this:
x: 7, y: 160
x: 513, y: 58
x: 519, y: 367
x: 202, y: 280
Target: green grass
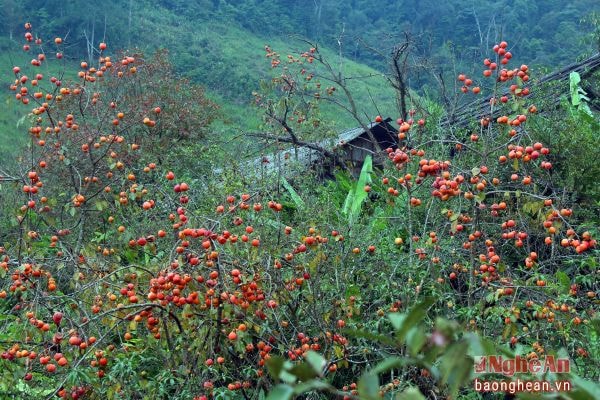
x: 11, y: 138
x: 13, y: 133
x: 228, y: 60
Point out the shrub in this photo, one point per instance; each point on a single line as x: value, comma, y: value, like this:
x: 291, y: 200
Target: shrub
x: 118, y: 283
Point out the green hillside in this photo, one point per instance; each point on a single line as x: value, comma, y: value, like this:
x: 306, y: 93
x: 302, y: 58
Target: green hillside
x: 9, y: 112
x: 220, y: 44
x: 231, y: 62
x: 192, y: 220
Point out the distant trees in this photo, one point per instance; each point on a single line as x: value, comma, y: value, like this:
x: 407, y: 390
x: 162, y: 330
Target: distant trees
x: 127, y: 270
x: 347, y: 26
x: 10, y: 14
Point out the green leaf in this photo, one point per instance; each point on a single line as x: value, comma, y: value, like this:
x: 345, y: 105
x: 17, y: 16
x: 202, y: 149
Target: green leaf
x: 311, y: 385
x: 532, y: 207
x: 293, y: 194
x: 480, y: 197
x: 368, y: 387
x: 316, y: 361
x: 391, y: 363
x: 480, y: 346
x: 412, y: 318
x: 281, y: 392
x: 410, y: 394
x: 453, y: 226
x: 396, y: 319
x: 415, y: 339
x: 275, y: 365
x: 288, y: 377
x: 101, y: 205
x: 578, y: 97
x: 564, y: 281
x: 348, y: 202
x: 574, y: 80
x: 357, y: 195
x: 273, y: 223
x: 456, y: 366
x: 300, y: 372
x: 584, y: 389
x: 383, y: 339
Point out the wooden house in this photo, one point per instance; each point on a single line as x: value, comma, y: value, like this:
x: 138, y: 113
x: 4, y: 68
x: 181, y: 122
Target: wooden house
x: 355, y: 144
x: 347, y: 151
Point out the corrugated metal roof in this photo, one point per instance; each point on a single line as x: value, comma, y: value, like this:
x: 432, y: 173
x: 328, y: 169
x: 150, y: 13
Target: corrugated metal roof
x: 351, y: 134
x: 305, y: 155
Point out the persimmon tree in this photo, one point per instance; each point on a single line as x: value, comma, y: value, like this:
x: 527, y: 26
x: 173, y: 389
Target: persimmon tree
x: 488, y: 231
x: 302, y: 86
x: 496, y: 199
x: 118, y: 278
x: 90, y: 268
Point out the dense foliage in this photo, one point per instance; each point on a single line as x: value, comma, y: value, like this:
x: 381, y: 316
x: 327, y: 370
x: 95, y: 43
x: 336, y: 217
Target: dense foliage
x: 549, y: 34
x: 135, y: 264
x: 218, y: 43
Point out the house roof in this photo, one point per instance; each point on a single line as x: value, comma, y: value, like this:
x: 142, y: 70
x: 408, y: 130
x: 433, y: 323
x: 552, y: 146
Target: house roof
x: 467, y: 113
x: 351, y: 134
x: 305, y: 155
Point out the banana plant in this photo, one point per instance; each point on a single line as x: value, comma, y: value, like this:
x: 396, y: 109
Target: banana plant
x: 357, y: 194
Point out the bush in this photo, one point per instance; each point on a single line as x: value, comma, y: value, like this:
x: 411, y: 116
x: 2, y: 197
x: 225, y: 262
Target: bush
x: 121, y: 279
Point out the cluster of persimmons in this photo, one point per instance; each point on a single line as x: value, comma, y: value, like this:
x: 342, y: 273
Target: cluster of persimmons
x: 110, y: 249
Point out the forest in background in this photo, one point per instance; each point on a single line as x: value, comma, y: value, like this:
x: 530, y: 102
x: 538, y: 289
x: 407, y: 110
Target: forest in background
x: 219, y: 44
x: 183, y: 222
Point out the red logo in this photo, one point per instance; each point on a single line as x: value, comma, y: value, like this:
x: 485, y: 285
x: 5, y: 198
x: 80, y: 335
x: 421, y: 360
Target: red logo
x: 480, y: 364
x: 520, y: 365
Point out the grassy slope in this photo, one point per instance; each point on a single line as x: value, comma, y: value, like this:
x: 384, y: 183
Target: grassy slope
x: 10, y: 137
x: 230, y: 61
x: 13, y: 128
x: 225, y: 58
